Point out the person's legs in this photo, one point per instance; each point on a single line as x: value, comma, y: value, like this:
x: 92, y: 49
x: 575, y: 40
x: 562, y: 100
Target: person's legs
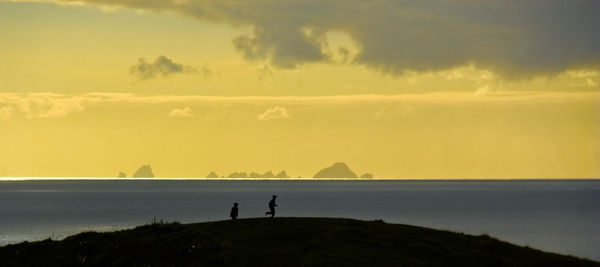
x: 272, y: 212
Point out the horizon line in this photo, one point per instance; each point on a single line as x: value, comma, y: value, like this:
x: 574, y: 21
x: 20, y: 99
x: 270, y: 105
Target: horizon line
x: 9, y: 179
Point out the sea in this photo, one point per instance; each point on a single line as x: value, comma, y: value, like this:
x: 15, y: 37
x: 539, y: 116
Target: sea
x: 560, y: 216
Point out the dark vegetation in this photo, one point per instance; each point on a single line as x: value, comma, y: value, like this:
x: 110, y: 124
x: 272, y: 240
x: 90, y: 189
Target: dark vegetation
x: 279, y: 242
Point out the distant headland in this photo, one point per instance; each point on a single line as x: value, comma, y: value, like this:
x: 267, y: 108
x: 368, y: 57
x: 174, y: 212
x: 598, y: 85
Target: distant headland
x: 337, y: 170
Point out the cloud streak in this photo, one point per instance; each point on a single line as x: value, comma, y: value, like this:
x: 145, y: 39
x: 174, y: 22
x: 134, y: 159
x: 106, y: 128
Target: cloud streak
x: 40, y: 105
x: 181, y: 113
x: 512, y: 38
x: 274, y: 113
x: 162, y: 66
x: 6, y: 113
x: 52, y: 105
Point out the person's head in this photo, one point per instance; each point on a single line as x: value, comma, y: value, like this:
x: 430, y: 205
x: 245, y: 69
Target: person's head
x: 274, y: 196
x: 235, y: 204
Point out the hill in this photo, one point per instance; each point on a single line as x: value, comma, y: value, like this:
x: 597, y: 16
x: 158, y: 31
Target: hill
x: 280, y: 242
x: 337, y: 170
x: 144, y: 172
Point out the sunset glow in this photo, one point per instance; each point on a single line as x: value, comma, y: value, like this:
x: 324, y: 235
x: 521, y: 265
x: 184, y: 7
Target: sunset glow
x: 432, y: 89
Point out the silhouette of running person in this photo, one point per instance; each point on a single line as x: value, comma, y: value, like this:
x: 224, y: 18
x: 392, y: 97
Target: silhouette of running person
x: 272, y: 206
x: 234, y: 211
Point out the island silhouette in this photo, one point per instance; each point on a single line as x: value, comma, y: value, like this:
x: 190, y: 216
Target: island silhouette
x: 268, y: 174
x: 337, y: 170
x: 144, y: 172
x: 367, y: 175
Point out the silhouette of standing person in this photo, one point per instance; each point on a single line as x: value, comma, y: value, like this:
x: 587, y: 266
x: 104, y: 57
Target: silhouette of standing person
x: 234, y: 211
x: 272, y: 206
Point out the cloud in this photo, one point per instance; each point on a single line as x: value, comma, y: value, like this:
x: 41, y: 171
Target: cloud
x: 344, y: 53
x: 274, y: 113
x: 53, y: 105
x: 514, y: 39
x: 162, y: 66
x: 181, y: 112
x: 583, y: 78
x: 587, y: 82
x: 6, y: 113
x: 205, y: 72
x: 264, y: 73
x: 40, y: 105
x: 582, y: 73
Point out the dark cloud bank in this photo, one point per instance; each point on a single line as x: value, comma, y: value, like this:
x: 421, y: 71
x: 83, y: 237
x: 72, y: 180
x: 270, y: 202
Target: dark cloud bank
x: 512, y: 38
x: 162, y: 66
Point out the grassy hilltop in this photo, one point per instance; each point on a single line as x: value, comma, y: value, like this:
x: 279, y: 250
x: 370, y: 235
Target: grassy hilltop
x: 279, y: 242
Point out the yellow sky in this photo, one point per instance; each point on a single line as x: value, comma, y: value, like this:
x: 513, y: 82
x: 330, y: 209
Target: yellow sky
x: 91, y: 88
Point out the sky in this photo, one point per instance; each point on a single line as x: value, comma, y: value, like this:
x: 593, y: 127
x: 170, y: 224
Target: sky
x: 401, y: 89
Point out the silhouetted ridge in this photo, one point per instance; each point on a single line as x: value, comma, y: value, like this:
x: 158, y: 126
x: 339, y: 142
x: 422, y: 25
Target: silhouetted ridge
x: 144, y: 172
x: 268, y: 174
x: 282, y: 174
x: 238, y: 175
x: 337, y: 170
x: 212, y: 175
x: 367, y: 175
x: 279, y: 242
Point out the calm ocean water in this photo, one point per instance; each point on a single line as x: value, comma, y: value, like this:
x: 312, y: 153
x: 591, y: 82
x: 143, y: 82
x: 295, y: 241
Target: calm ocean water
x: 557, y: 215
